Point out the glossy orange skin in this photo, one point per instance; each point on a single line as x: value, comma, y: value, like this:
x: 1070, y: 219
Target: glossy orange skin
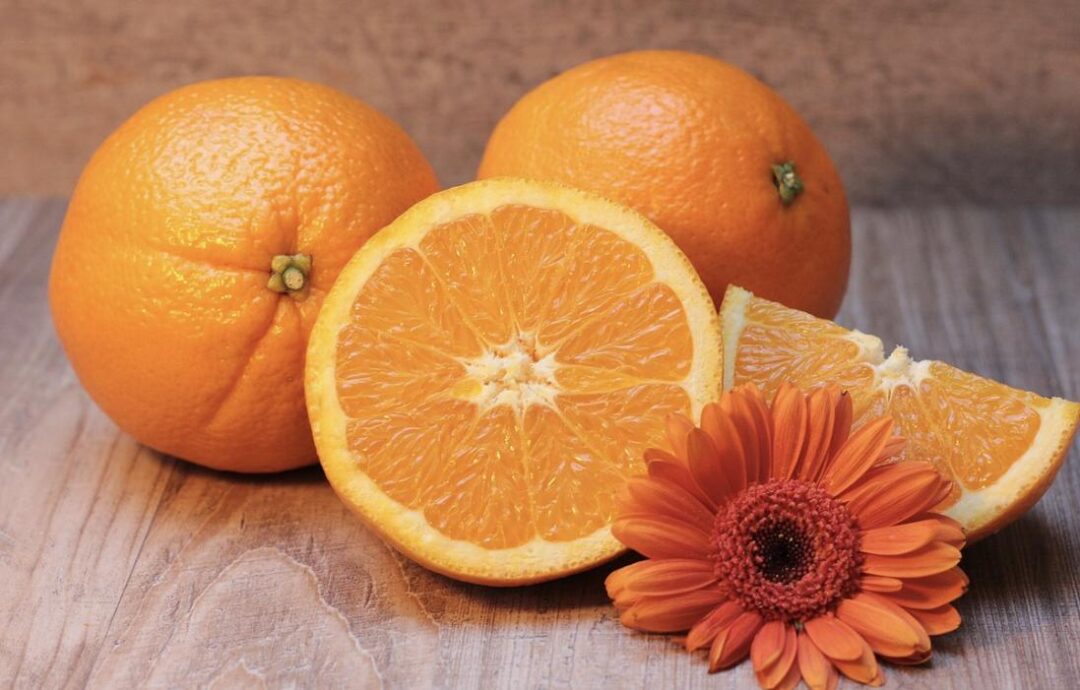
x: 159, y: 287
x: 689, y: 141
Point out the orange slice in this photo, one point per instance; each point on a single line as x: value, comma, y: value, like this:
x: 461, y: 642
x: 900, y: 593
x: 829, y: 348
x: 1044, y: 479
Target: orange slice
x: 488, y: 369
x: 1001, y: 446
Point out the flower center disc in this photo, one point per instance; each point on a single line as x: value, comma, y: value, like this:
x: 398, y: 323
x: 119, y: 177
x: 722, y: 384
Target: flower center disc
x: 787, y: 549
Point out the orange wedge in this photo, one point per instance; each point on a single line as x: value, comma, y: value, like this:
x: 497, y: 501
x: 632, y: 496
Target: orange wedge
x: 1001, y: 446
x: 487, y: 371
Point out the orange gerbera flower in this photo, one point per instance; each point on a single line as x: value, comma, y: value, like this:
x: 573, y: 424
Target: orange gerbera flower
x: 779, y: 534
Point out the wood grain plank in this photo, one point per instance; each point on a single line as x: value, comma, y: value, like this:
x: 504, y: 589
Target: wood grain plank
x: 123, y: 568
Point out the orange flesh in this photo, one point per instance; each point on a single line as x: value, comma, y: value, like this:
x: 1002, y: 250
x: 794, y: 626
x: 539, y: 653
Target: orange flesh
x: 974, y: 427
x: 971, y: 428
x: 505, y: 376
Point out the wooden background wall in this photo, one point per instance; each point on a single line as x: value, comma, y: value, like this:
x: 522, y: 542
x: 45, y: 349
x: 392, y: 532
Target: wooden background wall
x: 922, y: 100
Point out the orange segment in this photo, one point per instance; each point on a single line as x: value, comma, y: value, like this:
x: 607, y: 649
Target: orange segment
x: 405, y: 453
x: 404, y: 300
x: 413, y: 372
x: 624, y: 423
x: 535, y: 245
x: 569, y: 477
x: 643, y: 333
x: 777, y: 343
x: 946, y: 418
x: 601, y: 270
x: 1001, y: 446
x: 458, y: 252
x: 476, y: 493
x: 489, y: 368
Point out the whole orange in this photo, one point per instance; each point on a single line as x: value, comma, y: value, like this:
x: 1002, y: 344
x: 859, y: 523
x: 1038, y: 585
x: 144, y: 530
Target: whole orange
x: 197, y: 248
x: 706, y: 151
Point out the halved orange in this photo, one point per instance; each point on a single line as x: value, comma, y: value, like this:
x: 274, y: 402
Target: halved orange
x: 1001, y: 446
x: 488, y: 369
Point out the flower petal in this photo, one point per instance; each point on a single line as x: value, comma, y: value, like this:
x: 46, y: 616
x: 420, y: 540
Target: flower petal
x: 913, y: 660
x: 937, y: 621
x: 651, y: 496
x: 951, y: 531
x: 705, y: 630
x: 842, y: 419
x: 935, y: 557
x: 669, y: 576
x: 768, y: 644
x: 708, y: 467
x: 678, y: 426
x: 732, y: 644
x: 894, y: 493
x: 892, y: 448
x: 932, y: 591
x: 835, y: 638
x: 616, y: 583
x: 889, y: 629
x: 677, y: 472
x: 660, y: 537
x: 905, y: 538
x: 878, y: 583
x: 660, y: 455
x: 791, y: 680
x: 863, y: 669
x: 755, y: 408
x: 737, y: 435
x: 858, y: 455
x: 789, y: 429
x: 672, y: 613
x: 817, y: 671
x: 821, y: 413
x: 776, y: 653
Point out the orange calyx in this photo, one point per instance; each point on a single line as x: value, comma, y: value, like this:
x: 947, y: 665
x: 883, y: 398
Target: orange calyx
x: 788, y: 184
x: 289, y: 273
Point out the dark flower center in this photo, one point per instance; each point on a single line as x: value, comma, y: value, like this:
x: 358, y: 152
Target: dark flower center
x: 784, y: 551
x: 787, y: 549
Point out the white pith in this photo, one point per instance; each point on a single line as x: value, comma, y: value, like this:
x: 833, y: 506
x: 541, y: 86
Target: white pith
x: 514, y: 374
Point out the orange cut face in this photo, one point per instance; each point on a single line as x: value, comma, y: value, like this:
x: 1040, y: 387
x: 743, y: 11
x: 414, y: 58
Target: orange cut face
x: 1000, y: 445
x: 518, y: 406
x: 500, y: 372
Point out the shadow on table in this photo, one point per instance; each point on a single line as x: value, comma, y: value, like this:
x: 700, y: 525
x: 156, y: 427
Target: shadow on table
x: 581, y: 591
x: 311, y: 474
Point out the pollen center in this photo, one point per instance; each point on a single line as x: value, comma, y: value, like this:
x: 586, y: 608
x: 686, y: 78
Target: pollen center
x: 783, y: 551
x: 787, y: 549
x: 513, y: 374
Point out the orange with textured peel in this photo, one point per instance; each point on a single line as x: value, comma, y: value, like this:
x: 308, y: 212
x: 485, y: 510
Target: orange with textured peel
x: 488, y: 370
x: 710, y: 154
x: 197, y: 248
x: 1001, y: 446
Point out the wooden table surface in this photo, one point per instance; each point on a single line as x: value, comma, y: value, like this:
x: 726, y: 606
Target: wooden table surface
x: 120, y: 567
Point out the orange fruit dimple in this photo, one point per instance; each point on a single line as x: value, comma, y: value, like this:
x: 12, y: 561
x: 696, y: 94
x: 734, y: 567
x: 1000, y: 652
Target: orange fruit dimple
x: 489, y: 369
x: 691, y: 142
x: 196, y: 250
x: 1001, y: 446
